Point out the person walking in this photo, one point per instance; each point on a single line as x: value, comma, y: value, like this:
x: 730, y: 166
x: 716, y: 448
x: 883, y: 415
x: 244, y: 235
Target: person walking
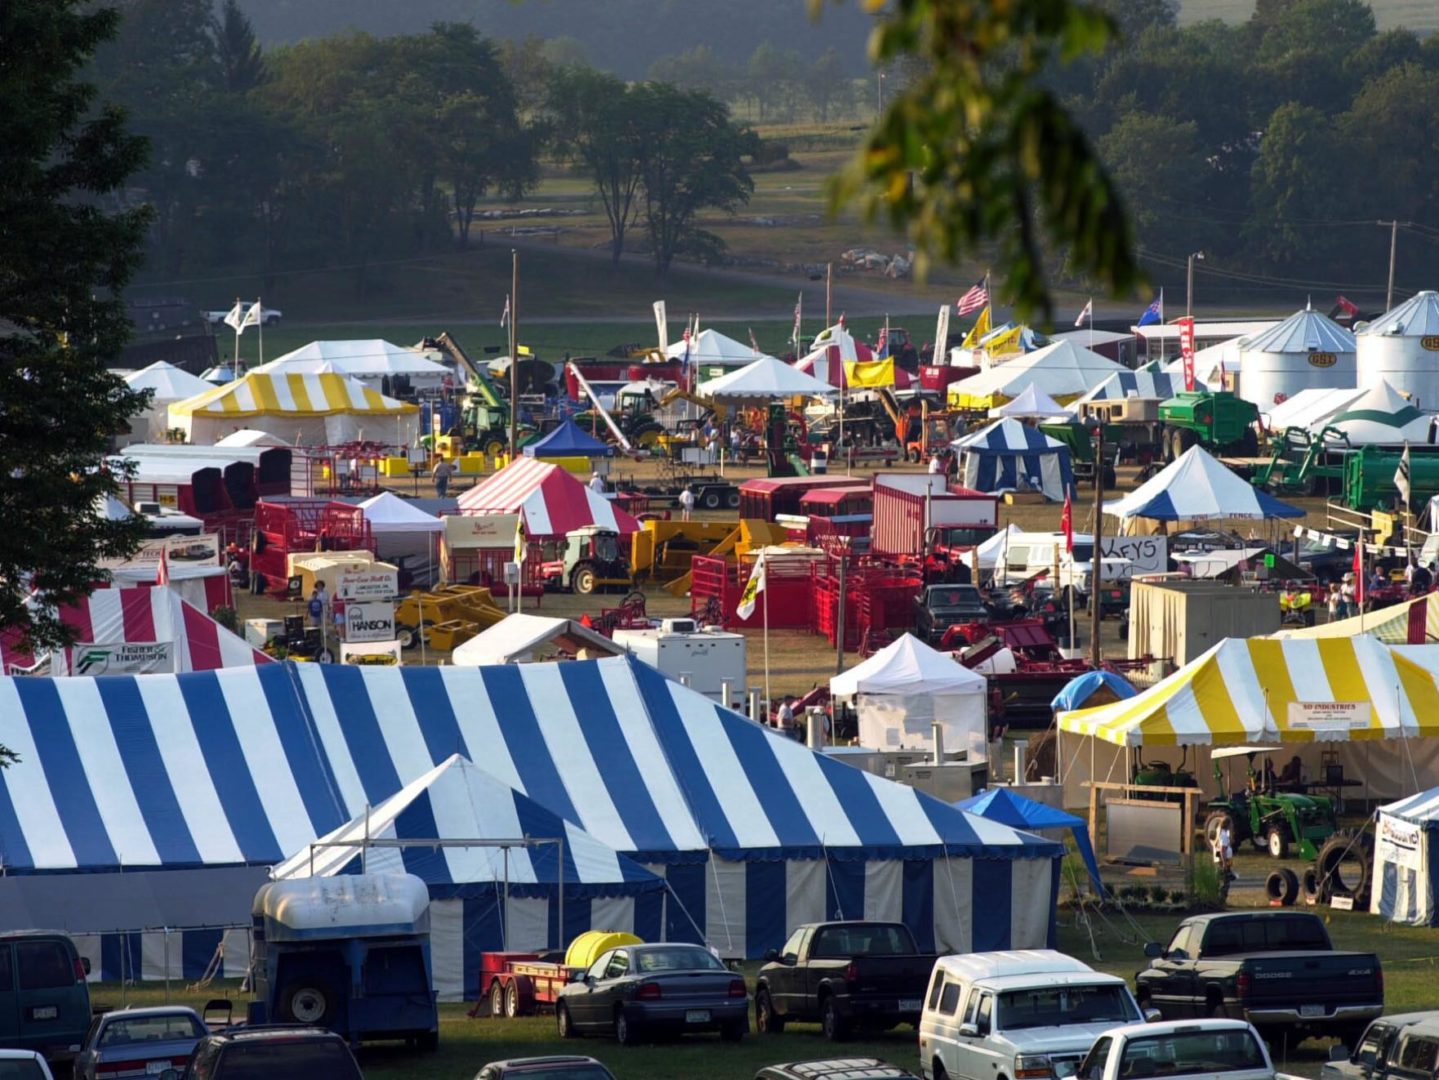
x: 687, y: 502
x: 1331, y: 602
x: 597, y: 483
x: 1346, y: 597
x: 443, y: 470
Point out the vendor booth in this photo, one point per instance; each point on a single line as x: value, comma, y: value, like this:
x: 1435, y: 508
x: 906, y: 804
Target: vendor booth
x: 1360, y: 716
x: 903, y: 690
x: 1010, y: 456
x: 1406, y: 860
x: 405, y: 536
x: 551, y: 501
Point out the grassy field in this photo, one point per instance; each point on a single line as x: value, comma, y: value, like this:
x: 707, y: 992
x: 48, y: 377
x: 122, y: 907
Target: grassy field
x: 1421, y: 16
x: 1410, y: 958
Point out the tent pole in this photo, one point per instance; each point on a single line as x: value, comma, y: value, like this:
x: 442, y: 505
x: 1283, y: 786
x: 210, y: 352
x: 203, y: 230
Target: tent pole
x: 505, y: 925
x: 560, y: 932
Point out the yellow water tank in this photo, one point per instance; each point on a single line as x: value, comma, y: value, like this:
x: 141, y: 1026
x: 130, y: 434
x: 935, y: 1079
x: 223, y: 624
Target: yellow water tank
x: 592, y: 944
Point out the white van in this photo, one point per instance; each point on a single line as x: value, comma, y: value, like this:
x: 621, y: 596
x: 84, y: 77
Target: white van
x: 1026, y: 554
x: 1019, y: 1015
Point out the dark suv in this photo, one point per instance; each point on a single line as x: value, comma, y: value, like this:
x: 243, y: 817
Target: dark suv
x: 273, y: 1052
x: 44, y: 994
x: 941, y: 606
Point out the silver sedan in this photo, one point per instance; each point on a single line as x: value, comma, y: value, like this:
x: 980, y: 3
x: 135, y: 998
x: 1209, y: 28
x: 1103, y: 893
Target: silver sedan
x: 139, y: 1042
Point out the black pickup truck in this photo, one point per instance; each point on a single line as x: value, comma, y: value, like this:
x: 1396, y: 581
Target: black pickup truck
x: 846, y: 975
x: 1278, y: 970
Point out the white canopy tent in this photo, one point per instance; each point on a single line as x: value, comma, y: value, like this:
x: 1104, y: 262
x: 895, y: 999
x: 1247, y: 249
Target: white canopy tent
x: 522, y: 637
x: 167, y: 384
x: 370, y: 360
x: 1061, y: 370
x: 1382, y: 416
x: 1309, y: 408
x: 404, y: 534
x: 1031, y: 404
x: 903, y: 689
x: 766, y: 379
x: 710, y: 348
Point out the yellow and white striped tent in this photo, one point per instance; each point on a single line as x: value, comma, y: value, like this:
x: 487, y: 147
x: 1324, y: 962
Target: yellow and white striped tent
x: 1354, y: 702
x: 1409, y: 621
x: 304, y: 410
x: 1263, y: 690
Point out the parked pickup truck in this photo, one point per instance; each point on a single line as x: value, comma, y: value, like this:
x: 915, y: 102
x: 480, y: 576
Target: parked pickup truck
x: 1278, y: 970
x: 941, y: 606
x: 1203, y: 1050
x: 1018, y: 1015
x: 1403, y: 1045
x: 846, y: 975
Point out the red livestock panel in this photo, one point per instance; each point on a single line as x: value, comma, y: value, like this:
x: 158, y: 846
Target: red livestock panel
x: 716, y: 587
x: 762, y: 499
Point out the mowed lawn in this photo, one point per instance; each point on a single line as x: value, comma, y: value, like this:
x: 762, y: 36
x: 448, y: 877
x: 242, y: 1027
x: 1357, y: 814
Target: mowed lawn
x: 1410, y: 957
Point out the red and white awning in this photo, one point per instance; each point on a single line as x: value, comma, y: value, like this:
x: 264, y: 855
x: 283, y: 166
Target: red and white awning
x: 139, y: 616
x: 552, y: 501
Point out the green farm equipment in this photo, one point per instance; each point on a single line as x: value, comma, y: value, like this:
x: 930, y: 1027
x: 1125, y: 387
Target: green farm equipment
x: 1369, y: 477
x: 1214, y: 419
x: 1270, y: 819
x: 1160, y: 774
x: 1304, y: 463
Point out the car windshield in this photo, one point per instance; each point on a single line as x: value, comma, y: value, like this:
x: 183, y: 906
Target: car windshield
x: 678, y: 959
x: 27, y: 1069
x: 1054, y: 1006
x: 287, y: 1059
x: 1181, y: 1054
x: 957, y: 596
x: 122, y: 1031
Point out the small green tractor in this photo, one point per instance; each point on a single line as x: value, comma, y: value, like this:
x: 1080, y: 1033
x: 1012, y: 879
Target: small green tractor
x: 1270, y: 819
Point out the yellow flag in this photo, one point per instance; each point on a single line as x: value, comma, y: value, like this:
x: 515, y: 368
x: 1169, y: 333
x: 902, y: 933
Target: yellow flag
x: 1006, y: 341
x: 978, y: 330
x: 752, y: 589
x: 870, y: 373
x: 521, y: 544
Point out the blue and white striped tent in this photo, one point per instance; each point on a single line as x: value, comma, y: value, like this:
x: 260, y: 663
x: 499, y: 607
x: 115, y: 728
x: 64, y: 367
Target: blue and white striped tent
x: 1406, y: 860
x: 506, y: 862
x: 246, y: 767
x: 995, y: 457
x: 1143, y: 384
x: 1198, y: 487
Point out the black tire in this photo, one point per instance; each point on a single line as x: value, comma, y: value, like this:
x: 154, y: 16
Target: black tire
x: 1346, y: 865
x: 1291, y: 887
x: 733, y: 1031
x: 938, y: 1071
x: 512, y: 1001
x: 1249, y: 443
x: 406, y: 635
x: 428, y: 1043
x: 1274, y: 887
x: 1187, y: 438
x: 309, y: 1001
x: 497, y: 999
x: 1214, y: 1008
x: 1309, y: 886
x: 627, y: 1033
x: 493, y: 448
x: 1276, y: 841
x: 766, y: 1020
x: 831, y: 1023
x: 583, y: 580
x: 712, y: 500
x: 562, y: 1022
x: 731, y: 499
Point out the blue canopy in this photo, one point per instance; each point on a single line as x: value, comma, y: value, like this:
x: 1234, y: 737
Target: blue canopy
x: 568, y: 440
x: 1081, y: 688
x: 996, y: 457
x: 1021, y: 812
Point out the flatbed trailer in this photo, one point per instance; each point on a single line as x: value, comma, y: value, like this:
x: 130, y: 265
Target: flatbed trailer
x: 523, y: 983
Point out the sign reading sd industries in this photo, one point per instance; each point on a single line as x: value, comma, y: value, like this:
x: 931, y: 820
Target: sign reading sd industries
x: 372, y: 621
x: 1328, y: 715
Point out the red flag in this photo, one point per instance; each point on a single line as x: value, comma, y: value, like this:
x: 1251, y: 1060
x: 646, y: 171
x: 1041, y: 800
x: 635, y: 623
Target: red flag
x: 1066, y: 524
x: 162, y: 572
x: 1186, y: 349
x: 1359, y: 571
x: 1344, y: 304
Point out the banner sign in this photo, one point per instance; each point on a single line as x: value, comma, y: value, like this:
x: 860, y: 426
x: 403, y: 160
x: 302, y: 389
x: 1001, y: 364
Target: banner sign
x: 1186, y: 349
x: 371, y: 621
x: 202, y: 550
x: 125, y: 658
x: 378, y: 653
x: 1328, y: 715
x: 376, y: 584
x: 662, y: 325
x: 481, y: 530
x: 941, y: 337
x: 1398, y: 842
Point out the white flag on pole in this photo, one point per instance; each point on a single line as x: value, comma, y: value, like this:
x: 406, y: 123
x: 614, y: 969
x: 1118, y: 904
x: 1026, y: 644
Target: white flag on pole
x: 254, y: 317
x: 752, y: 589
x: 1401, y: 475
x: 1087, y: 313
x: 662, y: 325
x: 505, y: 315
x: 235, y: 317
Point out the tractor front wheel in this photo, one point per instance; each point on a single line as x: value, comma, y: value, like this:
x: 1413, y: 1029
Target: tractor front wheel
x: 583, y: 579
x: 1276, y: 841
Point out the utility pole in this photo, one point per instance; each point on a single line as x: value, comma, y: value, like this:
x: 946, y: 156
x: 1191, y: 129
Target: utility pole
x: 828, y: 291
x: 1096, y: 560
x: 514, y: 352
x: 1189, y: 293
x: 1393, y: 252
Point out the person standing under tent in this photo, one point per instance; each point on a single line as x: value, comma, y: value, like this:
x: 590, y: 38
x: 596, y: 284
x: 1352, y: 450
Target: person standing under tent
x: 315, y: 608
x: 597, y: 483
x: 687, y: 502
x: 784, y: 716
x: 1332, y: 601
x: 442, y: 472
x: 1346, y: 596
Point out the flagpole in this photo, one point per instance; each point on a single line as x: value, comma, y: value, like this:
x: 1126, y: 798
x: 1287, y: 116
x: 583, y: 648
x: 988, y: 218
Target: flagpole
x: 235, y: 367
x: 261, y: 304
x: 514, y: 352
x: 768, y: 701
x: 1089, y: 307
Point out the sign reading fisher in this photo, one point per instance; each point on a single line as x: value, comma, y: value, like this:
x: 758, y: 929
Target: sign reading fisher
x: 1328, y: 715
x: 125, y: 658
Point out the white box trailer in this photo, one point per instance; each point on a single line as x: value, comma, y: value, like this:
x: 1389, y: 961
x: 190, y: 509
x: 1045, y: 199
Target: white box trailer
x: 706, y: 659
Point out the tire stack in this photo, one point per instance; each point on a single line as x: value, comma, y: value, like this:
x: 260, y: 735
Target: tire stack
x: 1343, y: 867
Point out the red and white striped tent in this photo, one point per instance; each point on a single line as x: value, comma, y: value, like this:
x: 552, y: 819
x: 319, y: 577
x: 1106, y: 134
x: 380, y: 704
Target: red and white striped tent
x: 142, y: 615
x: 552, y: 501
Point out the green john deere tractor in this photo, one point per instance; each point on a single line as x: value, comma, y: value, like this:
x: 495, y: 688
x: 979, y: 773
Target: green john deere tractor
x: 1268, y: 818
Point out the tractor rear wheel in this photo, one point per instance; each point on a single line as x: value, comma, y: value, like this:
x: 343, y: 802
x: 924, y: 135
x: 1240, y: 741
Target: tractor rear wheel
x: 712, y: 499
x: 583, y: 579
x: 1346, y: 865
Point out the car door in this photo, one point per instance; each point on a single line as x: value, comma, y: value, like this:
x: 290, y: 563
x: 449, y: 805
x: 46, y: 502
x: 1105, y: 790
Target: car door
x: 9, y: 1001
x: 784, y: 979
x: 968, y: 1056
x: 580, y: 997
x: 48, y: 1000
x: 609, y: 988
x: 1171, y: 978
x: 941, y: 1023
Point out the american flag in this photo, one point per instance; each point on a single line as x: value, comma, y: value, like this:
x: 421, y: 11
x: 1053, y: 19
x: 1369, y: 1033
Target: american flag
x: 881, y: 347
x: 162, y: 572
x: 976, y: 298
